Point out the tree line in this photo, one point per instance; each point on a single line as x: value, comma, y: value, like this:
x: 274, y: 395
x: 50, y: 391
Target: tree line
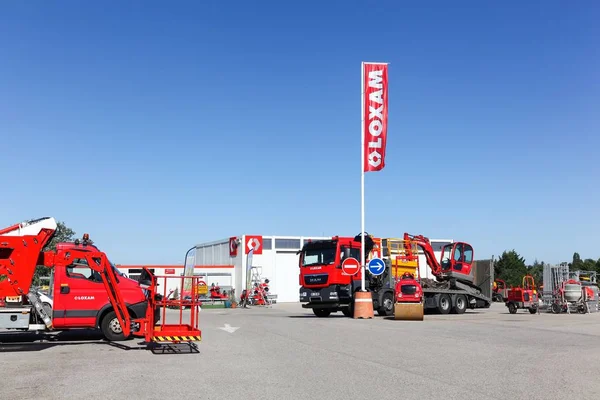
x: 511, y: 267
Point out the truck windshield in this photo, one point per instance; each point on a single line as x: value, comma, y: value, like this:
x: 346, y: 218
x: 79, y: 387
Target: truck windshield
x: 318, y: 256
x: 115, y: 270
x: 445, y: 259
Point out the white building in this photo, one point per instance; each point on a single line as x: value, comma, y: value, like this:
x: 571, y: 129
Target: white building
x: 224, y: 263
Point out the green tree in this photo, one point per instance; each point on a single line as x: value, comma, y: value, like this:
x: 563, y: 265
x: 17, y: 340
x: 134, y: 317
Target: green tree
x: 537, y: 271
x: 62, y: 234
x: 588, y: 265
x: 511, y: 268
x: 576, y: 264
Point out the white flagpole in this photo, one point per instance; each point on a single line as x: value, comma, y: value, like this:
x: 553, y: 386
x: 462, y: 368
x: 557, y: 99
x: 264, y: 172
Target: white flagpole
x: 362, y: 176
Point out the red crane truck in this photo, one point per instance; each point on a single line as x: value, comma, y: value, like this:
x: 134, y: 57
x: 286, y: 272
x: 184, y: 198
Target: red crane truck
x: 87, y: 290
x: 325, y: 288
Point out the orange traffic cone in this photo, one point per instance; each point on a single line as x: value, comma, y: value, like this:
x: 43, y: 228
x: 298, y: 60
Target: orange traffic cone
x: 363, y: 305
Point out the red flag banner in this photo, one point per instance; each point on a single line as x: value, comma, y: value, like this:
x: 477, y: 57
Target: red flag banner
x: 375, y: 103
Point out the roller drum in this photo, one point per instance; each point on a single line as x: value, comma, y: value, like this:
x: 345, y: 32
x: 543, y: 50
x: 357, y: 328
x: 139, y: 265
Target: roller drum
x: 408, y: 311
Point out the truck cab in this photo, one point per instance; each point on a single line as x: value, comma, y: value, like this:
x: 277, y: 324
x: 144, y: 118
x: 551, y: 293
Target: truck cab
x: 80, y: 299
x: 324, y: 286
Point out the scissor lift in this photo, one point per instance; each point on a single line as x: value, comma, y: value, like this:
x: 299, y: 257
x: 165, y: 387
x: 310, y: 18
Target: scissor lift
x: 403, y: 256
x: 166, y: 332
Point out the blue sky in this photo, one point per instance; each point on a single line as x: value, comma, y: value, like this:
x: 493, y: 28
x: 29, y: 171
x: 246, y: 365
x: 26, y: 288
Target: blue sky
x: 154, y: 126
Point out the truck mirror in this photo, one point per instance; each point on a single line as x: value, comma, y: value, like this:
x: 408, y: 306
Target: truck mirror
x: 347, y: 252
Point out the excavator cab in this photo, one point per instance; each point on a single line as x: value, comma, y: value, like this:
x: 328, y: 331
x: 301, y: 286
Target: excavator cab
x: 456, y: 261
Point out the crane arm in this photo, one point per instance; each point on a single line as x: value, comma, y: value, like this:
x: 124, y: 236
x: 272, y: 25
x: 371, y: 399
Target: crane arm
x: 20, y: 252
x: 423, y: 243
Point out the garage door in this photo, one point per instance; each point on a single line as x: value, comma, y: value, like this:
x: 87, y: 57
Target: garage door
x: 286, y: 272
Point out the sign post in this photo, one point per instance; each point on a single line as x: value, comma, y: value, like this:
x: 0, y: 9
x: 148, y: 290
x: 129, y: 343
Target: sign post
x: 374, y: 100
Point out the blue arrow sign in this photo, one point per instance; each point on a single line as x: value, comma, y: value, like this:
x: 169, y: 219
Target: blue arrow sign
x: 376, y: 266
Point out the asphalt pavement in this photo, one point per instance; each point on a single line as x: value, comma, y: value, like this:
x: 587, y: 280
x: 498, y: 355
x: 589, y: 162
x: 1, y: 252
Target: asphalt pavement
x: 284, y: 352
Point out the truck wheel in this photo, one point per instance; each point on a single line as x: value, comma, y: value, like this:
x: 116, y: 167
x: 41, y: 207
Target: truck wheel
x: 348, y: 311
x: 321, y: 312
x: 512, y: 308
x: 387, y: 305
x: 532, y: 310
x: 461, y: 304
x: 111, y: 328
x: 444, y: 305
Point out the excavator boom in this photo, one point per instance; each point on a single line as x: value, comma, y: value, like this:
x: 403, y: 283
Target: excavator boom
x: 424, y: 244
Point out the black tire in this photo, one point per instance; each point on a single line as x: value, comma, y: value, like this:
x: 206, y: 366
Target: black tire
x: 348, y: 311
x: 461, y: 304
x: 532, y: 310
x: 387, y: 305
x: 321, y: 312
x: 444, y: 304
x: 512, y: 308
x: 556, y: 308
x: 111, y: 328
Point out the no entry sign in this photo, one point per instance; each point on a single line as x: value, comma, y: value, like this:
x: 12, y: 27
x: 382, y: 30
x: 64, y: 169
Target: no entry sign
x: 350, y: 266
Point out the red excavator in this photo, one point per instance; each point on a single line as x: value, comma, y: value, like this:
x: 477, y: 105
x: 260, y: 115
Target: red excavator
x: 454, y: 288
x: 88, y: 291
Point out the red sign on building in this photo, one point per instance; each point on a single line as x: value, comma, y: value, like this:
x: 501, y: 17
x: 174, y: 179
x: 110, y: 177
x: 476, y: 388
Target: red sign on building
x: 233, y: 246
x: 253, y: 242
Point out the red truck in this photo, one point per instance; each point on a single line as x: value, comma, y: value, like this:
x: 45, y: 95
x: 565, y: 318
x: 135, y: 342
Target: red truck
x: 325, y: 288
x: 87, y: 290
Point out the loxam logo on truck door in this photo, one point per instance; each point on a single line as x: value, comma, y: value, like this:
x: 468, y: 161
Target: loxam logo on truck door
x: 84, y: 298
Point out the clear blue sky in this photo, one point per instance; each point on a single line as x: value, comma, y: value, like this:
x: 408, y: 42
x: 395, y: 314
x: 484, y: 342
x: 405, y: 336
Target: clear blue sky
x: 157, y: 125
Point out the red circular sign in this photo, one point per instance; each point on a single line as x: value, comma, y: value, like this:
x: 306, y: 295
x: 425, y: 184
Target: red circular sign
x: 350, y: 266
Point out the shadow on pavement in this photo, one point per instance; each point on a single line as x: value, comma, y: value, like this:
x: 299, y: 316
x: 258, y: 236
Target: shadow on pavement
x: 31, y: 341
x: 314, y: 316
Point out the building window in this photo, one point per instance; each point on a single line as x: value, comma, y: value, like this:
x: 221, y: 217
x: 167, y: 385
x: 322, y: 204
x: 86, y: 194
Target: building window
x: 437, y: 246
x: 267, y: 243
x: 287, y: 243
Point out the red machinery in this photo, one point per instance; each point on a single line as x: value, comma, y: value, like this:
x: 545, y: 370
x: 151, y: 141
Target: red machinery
x: 408, y: 295
x: 572, y: 296
x: 326, y: 288
x: 259, y: 296
x: 499, y: 290
x: 454, y: 288
x: 88, y: 290
x: 523, y: 297
x: 215, y: 293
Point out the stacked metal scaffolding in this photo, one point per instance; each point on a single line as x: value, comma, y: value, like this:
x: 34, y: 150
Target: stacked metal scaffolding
x: 554, y: 276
